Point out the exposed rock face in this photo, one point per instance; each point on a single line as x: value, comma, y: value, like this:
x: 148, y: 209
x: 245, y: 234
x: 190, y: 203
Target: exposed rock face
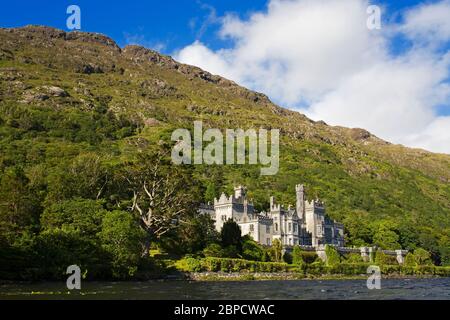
x: 81, y: 91
x: 38, y: 33
x: 360, y: 134
x: 55, y: 91
x: 31, y: 96
x: 42, y: 93
x: 137, y: 79
x: 92, y: 37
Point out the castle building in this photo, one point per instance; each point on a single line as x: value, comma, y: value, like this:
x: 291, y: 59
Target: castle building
x: 306, y: 224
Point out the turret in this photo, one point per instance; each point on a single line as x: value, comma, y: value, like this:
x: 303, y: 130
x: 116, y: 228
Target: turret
x: 239, y: 192
x: 300, y: 198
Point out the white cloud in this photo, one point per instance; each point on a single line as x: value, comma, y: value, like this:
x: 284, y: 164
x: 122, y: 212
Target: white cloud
x: 436, y: 136
x: 318, y: 55
x: 430, y: 23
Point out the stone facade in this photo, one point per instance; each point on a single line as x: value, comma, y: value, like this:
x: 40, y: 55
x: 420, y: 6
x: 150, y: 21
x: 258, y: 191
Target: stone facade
x: 306, y: 224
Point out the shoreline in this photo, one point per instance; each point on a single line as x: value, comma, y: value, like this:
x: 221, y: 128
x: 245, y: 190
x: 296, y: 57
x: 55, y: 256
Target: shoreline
x: 236, y: 276
x: 222, y: 276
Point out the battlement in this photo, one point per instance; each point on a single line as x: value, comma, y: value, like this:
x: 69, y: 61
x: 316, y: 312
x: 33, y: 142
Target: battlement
x: 297, y: 224
x: 265, y: 219
x: 317, y: 203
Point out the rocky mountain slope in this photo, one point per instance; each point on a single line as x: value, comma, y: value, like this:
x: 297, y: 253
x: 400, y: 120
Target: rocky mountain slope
x: 54, y: 84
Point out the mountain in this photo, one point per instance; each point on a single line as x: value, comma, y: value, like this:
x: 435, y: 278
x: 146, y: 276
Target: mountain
x: 70, y: 96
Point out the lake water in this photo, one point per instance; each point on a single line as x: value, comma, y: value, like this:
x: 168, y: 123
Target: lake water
x: 435, y: 288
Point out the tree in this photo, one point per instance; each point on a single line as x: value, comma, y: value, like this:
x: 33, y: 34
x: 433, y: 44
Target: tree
x: 382, y: 258
x: 409, y: 260
x: 164, y: 195
x: 213, y: 250
x: 123, y: 239
x: 56, y: 249
x: 18, y: 208
x: 357, y: 228
x: 231, y: 234
x: 297, y: 256
x: 276, y: 250
x: 287, y: 257
x: 210, y: 192
x: 251, y: 250
x: 422, y: 257
x: 444, y: 248
x: 81, y: 215
x: 196, y: 233
x: 385, y: 237
x: 83, y: 177
x: 333, y: 257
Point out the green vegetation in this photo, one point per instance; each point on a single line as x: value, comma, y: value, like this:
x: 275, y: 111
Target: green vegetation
x: 230, y: 265
x: 333, y: 257
x: 86, y: 177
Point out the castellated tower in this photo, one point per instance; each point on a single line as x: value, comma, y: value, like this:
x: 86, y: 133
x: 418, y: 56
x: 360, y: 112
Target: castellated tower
x: 239, y: 192
x: 300, y: 204
x: 308, y: 224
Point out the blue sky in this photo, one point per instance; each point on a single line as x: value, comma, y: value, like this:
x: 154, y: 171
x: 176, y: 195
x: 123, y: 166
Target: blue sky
x: 165, y: 25
x: 314, y: 56
x: 172, y: 23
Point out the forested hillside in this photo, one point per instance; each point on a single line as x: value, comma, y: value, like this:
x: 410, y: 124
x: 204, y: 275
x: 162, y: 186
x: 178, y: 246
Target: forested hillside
x: 85, y: 124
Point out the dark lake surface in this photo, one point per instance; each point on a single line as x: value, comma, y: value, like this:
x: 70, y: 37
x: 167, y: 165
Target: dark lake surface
x: 434, y: 288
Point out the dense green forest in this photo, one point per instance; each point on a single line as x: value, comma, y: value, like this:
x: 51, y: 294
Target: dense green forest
x: 85, y: 133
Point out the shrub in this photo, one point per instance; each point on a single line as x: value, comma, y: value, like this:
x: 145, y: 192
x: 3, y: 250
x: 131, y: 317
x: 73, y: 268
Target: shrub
x: 189, y: 265
x: 236, y: 265
x: 230, y: 252
x: 422, y: 257
x: 58, y: 249
x: 442, y: 271
x: 354, y: 258
x: 309, y: 256
x: 275, y: 251
x: 297, y: 258
x: 213, y: 250
x: 409, y: 260
x: 333, y: 257
x: 425, y: 269
x: 251, y: 250
x: 316, y: 268
x: 390, y: 268
x: 225, y: 265
x: 348, y: 268
x: 287, y: 257
x: 212, y: 264
x: 383, y: 259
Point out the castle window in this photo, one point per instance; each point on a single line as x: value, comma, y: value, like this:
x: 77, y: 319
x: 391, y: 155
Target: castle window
x: 252, y: 228
x: 295, y: 227
x: 289, y: 226
x: 268, y: 241
x: 290, y: 241
x: 319, y: 230
x: 267, y: 229
x: 224, y: 218
x: 276, y: 226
